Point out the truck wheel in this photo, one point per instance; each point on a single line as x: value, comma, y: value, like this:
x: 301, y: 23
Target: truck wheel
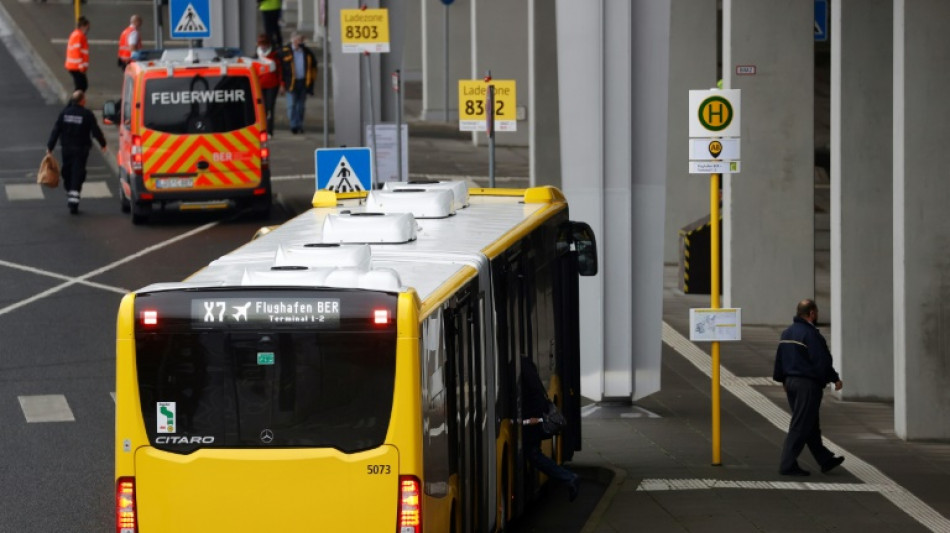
x: 141, y: 211
x: 124, y: 203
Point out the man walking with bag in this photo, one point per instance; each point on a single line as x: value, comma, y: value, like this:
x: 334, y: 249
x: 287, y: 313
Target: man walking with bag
x: 75, y: 127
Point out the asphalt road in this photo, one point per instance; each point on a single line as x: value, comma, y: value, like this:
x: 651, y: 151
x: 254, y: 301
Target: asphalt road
x: 61, y: 279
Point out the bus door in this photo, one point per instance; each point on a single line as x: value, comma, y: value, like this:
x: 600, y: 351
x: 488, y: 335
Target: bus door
x: 466, y: 375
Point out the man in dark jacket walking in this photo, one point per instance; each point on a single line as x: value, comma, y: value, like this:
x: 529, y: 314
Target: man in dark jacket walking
x: 534, y: 402
x: 804, y: 366
x: 75, y: 127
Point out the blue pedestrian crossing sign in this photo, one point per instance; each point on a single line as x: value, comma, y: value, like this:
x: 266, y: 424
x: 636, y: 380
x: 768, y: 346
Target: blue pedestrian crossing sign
x: 344, y: 169
x: 190, y: 19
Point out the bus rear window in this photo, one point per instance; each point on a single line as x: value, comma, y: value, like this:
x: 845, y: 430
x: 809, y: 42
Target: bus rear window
x: 198, y: 104
x: 259, y: 383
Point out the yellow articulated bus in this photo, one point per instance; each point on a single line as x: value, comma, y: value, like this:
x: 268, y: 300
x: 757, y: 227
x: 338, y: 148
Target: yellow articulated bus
x: 354, y: 369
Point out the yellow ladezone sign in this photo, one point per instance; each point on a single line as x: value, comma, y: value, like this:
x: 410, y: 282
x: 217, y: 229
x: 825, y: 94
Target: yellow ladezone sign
x: 473, y: 95
x: 364, y: 30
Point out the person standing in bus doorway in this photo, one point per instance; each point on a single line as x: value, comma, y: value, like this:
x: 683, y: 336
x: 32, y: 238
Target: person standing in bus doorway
x: 129, y: 41
x: 271, y: 13
x: 298, y: 67
x: 534, y: 402
x: 75, y: 127
x: 803, y: 365
x: 270, y: 81
x: 77, y: 54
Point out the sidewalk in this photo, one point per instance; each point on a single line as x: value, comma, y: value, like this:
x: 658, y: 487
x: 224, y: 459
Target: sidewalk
x: 660, y: 449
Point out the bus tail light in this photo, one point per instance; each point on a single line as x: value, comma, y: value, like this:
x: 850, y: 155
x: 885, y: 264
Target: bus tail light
x: 381, y: 316
x: 125, y: 519
x: 265, y: 151
x: 136, y: 153
x: 149, y: 317
x: 410, y: 505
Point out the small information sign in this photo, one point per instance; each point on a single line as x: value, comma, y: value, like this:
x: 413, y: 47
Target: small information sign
x: 472, y: 97
x: 715, y: 324
x: 364, y: 30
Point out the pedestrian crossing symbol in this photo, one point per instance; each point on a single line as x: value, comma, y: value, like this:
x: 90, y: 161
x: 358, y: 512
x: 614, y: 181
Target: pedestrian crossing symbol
x: 190, y: 22
x: 343, y: 169
x: 190, y: 18
x: 344, y: 179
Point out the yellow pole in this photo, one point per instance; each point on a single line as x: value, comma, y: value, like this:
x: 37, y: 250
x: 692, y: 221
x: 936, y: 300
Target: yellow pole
x: 714, y: 294
x: 76, y: 9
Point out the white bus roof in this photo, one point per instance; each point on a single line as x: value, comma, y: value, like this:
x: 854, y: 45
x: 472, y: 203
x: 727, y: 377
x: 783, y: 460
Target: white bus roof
x: 379, y: 252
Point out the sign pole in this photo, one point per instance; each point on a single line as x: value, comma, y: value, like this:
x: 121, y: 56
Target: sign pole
x: 714, y: 239
x: 326, y: 70
x: 445, y: 56
x: 372, y: 117
x: 490, y: 123
x: 397, y: 81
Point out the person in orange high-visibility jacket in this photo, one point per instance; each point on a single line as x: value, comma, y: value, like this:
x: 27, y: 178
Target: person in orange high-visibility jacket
x: 77, y: 54
x: 129, y: 41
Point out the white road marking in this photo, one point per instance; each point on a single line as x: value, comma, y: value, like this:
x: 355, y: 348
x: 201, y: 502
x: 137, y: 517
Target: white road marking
x: 34, y: 191
x: 83, y: 279
x: 46, y: 408
x: 652, y: 485
x: 33, y: 270
x: 31, y: 64
x: 864, y: 471
x: 96, y: 189
x: 24, y: 191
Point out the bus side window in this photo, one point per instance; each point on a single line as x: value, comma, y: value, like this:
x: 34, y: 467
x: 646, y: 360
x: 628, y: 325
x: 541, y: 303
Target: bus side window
x: 436, y: 451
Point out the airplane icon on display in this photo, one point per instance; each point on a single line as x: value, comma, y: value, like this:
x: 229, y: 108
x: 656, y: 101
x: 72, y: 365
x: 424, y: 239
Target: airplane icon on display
x: 241, y: 311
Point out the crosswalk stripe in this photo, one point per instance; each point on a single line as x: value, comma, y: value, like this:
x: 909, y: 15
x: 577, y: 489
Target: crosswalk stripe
x: 24, y: 191
x: 46, y: 408
x: 96, y: 189
x: 33, y: 191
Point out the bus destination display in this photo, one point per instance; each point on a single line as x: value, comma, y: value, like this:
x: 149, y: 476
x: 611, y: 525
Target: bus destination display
x: 311, y: 312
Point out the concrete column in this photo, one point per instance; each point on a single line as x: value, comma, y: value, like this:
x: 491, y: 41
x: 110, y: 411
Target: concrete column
x: 861, y: 197
x: 435, y: 15
x: 693, y: 25
x: 618, y: 122
x: 352, y: 109
x: 412, y: 53
x: 393, y: 61
x: 768, y: 209
x: 542, y: 99
x: 500, y: 43
x: 306, y: 16
x: 921, y: 226
x: 235, y: 26
x: 346, y: 81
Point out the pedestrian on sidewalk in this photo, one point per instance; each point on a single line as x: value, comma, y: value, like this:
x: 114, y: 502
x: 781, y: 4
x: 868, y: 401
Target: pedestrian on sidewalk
x: 75, y: 128
x: 534, y: 403
x: 804, y: 366
x: 298, y: 67
x: 129, y: 41
x: 77, y: 54
x: 270, y: 81
x: 271, y: 14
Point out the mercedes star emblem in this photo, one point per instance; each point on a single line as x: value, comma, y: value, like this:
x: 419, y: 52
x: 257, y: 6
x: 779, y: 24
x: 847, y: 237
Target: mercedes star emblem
x: 267, y: 436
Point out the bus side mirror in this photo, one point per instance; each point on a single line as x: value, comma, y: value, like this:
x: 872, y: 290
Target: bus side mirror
x: 586, y: 247
x: 110, y: 112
